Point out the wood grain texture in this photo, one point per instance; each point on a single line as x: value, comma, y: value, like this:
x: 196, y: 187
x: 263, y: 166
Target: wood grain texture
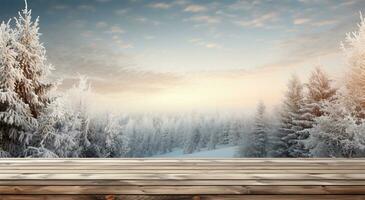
x: 181, y: 197
x: 208, y: 179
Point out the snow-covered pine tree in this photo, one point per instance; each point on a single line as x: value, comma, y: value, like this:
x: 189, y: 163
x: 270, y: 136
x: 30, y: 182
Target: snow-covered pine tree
x: 214, y: 128
x: 336, y: 133
x: 354, y: 50
x: 33, y: 87
x: 235, y: 133
x: 15, y: 115
x: 63, y: 125
x: 291, y: 117
x: 116, y: 141
x: 318, y: 91
x: 28, y: 81
x: 192, y: 144
x: 339, y: 132
x: 79, y: 101
x: 56, y: 135
x: 255, y: 143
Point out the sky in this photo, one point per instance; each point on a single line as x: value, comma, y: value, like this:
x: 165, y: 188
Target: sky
x: 185, y: 55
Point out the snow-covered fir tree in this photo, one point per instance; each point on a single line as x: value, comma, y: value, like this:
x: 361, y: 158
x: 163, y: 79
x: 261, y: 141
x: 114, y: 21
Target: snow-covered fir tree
x: 33, y: 86
x: 318, y: 91
x: 15, y: 115
x: 291, y: 118
x: 256, y: 141
x: 235, y: 132
x: 56, y: 135
x: 28, y: 82
x: 63, y: 124
x: 354, y: 50
x: 337, y: 133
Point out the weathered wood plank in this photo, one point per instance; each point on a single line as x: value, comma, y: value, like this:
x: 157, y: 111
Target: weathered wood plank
x: 182, y: 176
x: 283, y: 197
x: 185, y: 190
x: 256, y: 178
x: 178, y: 197
x: 95, y: 197
x: 182, y: 167
x: 178, y: 171
x: 179, y: 182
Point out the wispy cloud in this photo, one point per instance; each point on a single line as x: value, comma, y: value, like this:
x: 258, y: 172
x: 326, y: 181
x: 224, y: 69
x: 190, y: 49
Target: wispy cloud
x: 314, y: 22
x: 147, y: 21
x: 195, y: 8
x: 110, y: 72
x: 160, y: 5
x: 205, y: 19
x: 259, y: 21
x: 300, y: 21
x: 116, y: 29
x: 203, y: 43
x: 121, y: 43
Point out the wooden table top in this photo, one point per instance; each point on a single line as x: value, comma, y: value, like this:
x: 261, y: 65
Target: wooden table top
x: 183, y: 177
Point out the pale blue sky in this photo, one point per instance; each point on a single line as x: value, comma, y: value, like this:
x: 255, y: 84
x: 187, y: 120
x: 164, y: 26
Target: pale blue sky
x: 129, y: 47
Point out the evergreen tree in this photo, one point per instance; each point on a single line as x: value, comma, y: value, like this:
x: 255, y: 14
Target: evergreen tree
x: 15, y: 115
x: 56, y: 135
x: 194, y: 139
x: 23, y: 83
x: 33, y: 87
x: 235, y: 133
x: 255, y: 144
x: 355, y: 79
x: 337, y: 133
x: 291, y: 118
x: 319, y: 91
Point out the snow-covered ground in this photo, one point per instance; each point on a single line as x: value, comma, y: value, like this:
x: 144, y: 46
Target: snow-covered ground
x: 224, y: 152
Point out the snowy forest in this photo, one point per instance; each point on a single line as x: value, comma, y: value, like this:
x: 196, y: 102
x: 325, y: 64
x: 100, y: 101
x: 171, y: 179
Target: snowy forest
x: 317, y: 117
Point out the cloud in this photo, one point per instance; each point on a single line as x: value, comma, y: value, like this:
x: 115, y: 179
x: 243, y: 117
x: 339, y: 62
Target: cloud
x: 122, y: 44
x: 212, y: 46
x: 109, y: 71
x: 116, y: 29
x: 244, y: 5
x: 202, y: 43
x: 300, y: 21
x: 147, y: 21
x: 195, y: 8
x: 314, y: 22
x: 311, y: 45
x: 160, y: 5
x: 324, y: 22
x: 259, y: 21
x: 206, y: 19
